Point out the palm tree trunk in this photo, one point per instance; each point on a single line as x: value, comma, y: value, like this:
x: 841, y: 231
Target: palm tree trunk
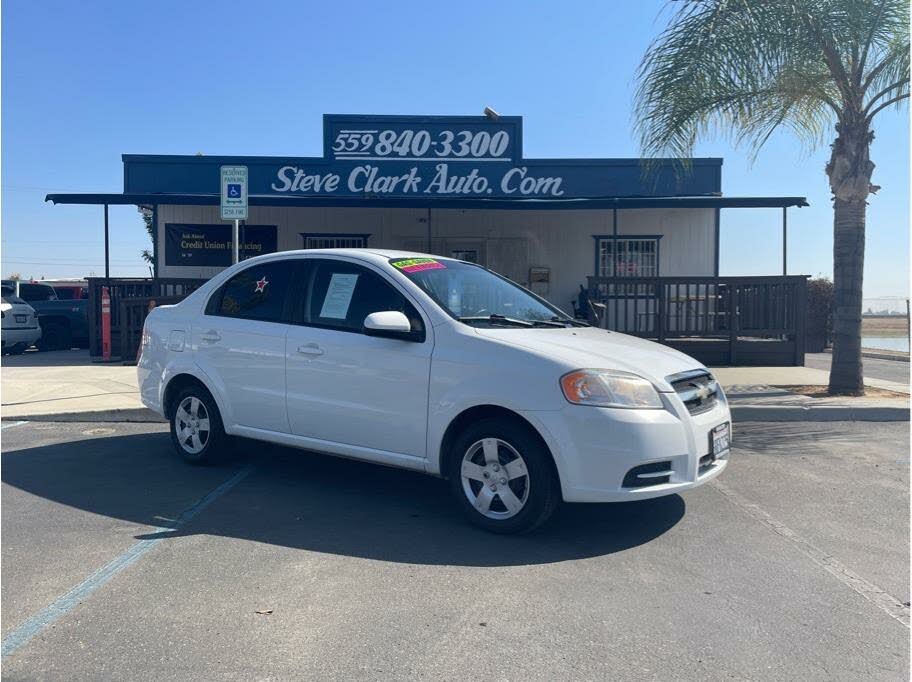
x: 848, y: 275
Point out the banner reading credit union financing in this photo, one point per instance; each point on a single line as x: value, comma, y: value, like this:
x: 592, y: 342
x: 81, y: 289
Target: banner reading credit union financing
x: 210, y: 245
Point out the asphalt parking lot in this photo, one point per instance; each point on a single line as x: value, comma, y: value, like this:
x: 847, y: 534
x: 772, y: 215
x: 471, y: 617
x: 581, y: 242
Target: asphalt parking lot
x: 794, y: 565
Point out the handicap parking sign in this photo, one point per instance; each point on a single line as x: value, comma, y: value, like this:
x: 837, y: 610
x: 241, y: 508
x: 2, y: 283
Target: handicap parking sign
x: 234, y: 193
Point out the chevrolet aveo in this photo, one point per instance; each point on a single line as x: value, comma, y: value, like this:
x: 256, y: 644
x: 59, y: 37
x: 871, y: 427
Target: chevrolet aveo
x: 435, y: 365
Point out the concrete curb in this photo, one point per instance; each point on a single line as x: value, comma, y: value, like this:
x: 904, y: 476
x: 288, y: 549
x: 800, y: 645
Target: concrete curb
x: 136, y: 414
x: 878, y: 355
x: 821, y: 413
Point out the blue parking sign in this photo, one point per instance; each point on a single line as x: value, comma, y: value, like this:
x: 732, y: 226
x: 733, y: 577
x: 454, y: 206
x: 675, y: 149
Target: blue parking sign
x: 234, y: 190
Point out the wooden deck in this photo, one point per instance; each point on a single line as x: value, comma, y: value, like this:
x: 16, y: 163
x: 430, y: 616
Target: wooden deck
x: 718, y: 320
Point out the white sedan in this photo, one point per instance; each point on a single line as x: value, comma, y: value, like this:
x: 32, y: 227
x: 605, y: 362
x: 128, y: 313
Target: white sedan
x: 435, y: 365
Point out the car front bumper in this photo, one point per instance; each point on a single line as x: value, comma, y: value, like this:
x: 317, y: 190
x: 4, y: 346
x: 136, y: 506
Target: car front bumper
x: 595, y: 448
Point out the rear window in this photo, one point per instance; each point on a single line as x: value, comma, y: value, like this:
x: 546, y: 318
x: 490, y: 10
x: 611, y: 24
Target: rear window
x: 36, y: 292
x: 68, y: 293
x: 11, y: 298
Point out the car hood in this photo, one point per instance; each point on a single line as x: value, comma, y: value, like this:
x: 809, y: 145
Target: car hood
x: 590, y: 347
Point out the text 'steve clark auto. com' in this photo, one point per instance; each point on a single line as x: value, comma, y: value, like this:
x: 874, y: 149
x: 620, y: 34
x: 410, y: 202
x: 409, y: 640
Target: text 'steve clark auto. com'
x: 435, y: 365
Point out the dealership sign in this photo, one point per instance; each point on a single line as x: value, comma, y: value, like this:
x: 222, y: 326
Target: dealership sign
x: 422, y: 157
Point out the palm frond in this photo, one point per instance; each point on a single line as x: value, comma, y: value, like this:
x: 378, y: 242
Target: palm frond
x: 745, y: 68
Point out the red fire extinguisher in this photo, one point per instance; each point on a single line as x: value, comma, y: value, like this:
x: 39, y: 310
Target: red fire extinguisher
x: 105, y: 324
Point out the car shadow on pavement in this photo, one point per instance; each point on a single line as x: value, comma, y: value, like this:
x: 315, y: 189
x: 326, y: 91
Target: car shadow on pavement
x: 302, y: 500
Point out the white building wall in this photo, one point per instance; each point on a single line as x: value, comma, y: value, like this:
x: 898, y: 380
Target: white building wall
x: 509, y: 241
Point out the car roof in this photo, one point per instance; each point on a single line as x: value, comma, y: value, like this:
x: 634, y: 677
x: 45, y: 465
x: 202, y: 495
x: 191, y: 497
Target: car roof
x: 380, y: 256
x: 12, y: 283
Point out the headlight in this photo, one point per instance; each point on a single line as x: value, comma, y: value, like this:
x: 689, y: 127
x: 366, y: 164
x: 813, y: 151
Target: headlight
x: 609, y: 388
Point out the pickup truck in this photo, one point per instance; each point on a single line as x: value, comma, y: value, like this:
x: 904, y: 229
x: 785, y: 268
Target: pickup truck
x: 64, y: 323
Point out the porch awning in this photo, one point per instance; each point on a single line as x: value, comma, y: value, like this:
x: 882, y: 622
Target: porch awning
x: 372, y: 201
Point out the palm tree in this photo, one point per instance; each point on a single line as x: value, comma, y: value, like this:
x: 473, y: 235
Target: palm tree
x: 750, y: 67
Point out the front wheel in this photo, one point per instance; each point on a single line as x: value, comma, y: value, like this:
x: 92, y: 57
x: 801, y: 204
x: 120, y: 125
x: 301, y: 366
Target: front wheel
x: 503, y: 477
x: 196, y: 426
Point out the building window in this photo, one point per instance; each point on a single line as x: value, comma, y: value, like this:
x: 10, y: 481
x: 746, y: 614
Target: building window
x: 468, y: 255
x: 334, y: 240
x: 627, y: 257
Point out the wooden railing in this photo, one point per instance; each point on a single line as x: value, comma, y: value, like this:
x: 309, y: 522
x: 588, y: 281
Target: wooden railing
x: 130, y: 303
x: 718, y: 320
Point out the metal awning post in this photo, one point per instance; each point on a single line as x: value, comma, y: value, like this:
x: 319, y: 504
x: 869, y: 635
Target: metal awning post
x: 784, y: 240
x: 107, y: 247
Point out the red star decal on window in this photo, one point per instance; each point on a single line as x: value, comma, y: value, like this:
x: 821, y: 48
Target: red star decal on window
x: 261, y: 285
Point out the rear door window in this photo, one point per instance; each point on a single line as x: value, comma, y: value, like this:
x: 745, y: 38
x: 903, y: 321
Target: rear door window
x: 256, y: 293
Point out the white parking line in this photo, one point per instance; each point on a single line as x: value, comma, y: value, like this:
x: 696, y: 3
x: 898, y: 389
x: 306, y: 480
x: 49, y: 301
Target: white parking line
x: 874, y: 594
x: 66, y: 602
x: 9, y: 425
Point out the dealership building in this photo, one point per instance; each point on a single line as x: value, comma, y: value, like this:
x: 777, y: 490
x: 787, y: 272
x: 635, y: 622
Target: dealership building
x: 452, y: 186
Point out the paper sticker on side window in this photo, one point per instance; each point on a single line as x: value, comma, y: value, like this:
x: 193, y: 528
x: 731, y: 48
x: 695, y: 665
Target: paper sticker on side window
x: 338, y: 296
x: 418, y: 264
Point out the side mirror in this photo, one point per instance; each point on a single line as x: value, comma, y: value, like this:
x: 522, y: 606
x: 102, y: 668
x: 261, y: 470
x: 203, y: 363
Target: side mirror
x: 389, y: 323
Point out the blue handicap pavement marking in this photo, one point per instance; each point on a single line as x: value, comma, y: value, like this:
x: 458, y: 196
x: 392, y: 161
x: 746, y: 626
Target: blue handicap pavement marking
x: 67, y: 602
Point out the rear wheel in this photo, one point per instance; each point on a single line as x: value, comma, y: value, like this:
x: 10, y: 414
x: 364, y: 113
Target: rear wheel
x: 196, y: 426
x: 502, y: 476
x: 55, y: 336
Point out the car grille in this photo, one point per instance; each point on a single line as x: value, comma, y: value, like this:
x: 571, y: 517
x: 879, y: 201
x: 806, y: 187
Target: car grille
x: 698, y: 390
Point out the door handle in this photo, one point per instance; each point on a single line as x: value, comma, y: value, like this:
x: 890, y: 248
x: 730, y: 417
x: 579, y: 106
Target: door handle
x: 310, y: 349
x: 211, y: 336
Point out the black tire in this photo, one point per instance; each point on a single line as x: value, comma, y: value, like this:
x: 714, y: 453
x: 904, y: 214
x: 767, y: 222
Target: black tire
x: 18, y: 349
x: 214, y: 440
x: 55, y: 336
x: 539, y: 487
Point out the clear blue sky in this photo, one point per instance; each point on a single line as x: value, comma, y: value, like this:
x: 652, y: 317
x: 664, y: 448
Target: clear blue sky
x: 85, y: 82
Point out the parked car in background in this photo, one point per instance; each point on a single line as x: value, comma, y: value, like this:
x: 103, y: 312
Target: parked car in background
x: 19, y: 327
x: 64, y: 323
x: 436, y: 365
x: 69, y: 290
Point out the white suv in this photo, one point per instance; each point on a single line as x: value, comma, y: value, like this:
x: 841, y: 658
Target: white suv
x: 435, y: 365
x: 20, y: 327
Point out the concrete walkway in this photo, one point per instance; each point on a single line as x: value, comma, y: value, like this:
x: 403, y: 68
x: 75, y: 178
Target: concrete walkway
x: 67, y: 386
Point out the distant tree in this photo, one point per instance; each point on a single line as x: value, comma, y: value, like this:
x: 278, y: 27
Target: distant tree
x: 146, y: 254
x: 14, y: 276
x: 751, y: 67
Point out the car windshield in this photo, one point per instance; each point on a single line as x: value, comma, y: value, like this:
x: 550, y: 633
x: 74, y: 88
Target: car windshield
x: 475, y: 295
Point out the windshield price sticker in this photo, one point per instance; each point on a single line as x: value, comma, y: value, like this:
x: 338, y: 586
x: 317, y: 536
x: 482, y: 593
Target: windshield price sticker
x: 418, y: 264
